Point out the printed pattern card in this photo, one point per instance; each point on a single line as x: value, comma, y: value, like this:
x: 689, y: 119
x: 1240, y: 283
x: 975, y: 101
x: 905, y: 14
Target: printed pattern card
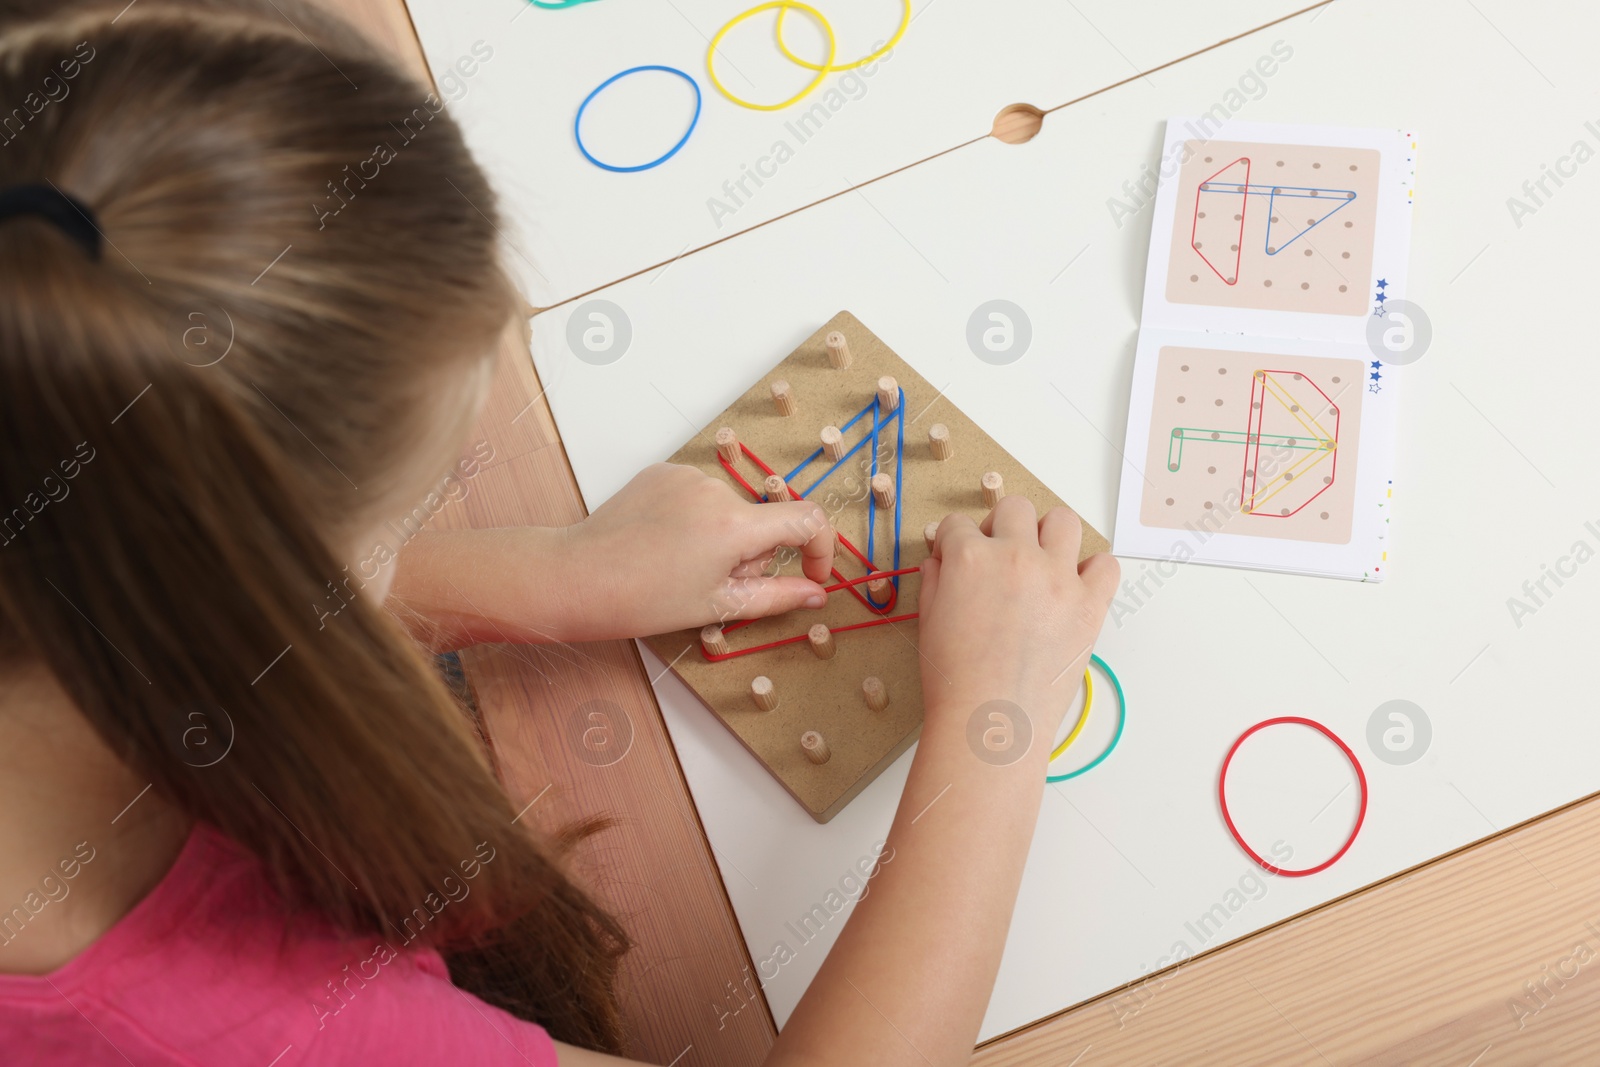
x: 1261, y: 425
x: 1258, y: 453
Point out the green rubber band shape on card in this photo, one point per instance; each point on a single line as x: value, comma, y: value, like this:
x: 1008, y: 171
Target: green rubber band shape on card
x: 1122, y: 720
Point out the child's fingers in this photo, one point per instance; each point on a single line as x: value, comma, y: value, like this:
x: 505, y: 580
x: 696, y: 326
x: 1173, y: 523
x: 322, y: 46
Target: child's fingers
x: 1013, y: 516
x: 930, y: 584
x: 953, y: 528
x: 795, y: 524
x: 754, y: 568
x: 756, y: 598
x: 1061, y: 532
x: 1100, y: 574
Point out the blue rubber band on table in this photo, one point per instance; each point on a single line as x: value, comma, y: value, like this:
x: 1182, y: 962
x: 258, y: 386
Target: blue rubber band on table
x: 1122, y: 720
x: 577, y: 123
x: 558, y: 5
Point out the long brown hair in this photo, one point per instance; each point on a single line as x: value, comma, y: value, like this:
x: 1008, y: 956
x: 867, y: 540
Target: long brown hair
x: 192, y: 424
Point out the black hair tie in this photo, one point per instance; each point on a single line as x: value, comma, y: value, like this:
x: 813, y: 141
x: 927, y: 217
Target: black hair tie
x: 66, y: 213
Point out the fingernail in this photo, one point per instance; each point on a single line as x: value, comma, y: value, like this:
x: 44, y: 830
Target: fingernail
x: 815, y: 601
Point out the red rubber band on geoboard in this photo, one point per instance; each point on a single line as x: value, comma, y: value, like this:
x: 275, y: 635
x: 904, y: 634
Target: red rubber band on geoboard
x: 1222, y: 795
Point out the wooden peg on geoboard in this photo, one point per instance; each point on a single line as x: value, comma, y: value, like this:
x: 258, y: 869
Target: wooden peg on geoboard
x: 883, y: 491
x: 838, y: 351
x: 713, y: 640
x: 888, y: 395
x: 939, y: 441
x: 777, y: 489
x: 764, y: 693
x: 875, y: 693
x: 829, y: 697
x: 994, y: 487
x: 783, y: 398
x: 815, y: 748
x: 728, y: 444
x: 832, y: 443
x: 821, y: 639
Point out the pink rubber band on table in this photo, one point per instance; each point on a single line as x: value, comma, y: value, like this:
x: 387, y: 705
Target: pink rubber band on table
x: 1222, y: 795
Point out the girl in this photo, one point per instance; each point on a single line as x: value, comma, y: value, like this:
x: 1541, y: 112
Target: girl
x: 220, y: 398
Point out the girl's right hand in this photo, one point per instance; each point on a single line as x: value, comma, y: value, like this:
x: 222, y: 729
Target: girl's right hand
x: 1008, y: 613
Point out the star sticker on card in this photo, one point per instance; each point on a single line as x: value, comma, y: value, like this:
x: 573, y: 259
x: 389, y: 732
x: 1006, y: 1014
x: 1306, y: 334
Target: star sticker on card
x: 1375, y: 375
x: 1374, y: 388
x: 1378, y: 311
x: 1377, y: 364
x: 1383, y: 283
x: 1381, y: 298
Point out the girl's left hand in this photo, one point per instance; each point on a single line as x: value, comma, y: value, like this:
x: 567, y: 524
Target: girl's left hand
x: 675, y: 549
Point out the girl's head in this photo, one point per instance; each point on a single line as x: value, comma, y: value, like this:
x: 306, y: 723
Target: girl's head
x: 216, y: 435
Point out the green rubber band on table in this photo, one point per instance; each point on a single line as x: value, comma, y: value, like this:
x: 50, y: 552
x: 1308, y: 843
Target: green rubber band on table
x: 1122, y: 721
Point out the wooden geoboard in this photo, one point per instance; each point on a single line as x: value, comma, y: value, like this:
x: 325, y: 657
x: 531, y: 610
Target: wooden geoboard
x: 825, y: 696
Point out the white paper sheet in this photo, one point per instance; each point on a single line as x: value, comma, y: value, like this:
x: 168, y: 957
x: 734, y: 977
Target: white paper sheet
x: 1261, y: 423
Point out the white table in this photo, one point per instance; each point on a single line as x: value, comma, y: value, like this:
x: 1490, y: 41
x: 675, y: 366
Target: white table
x: 1493, y: 481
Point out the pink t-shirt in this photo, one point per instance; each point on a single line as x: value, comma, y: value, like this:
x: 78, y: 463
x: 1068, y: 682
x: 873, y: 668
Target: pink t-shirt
x: 205, y: 971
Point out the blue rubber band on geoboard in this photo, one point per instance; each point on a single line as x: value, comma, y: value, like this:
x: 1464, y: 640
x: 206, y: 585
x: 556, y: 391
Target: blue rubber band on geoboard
x: 899, y: 417
x: 1122, y: 720
x: 577, y: 123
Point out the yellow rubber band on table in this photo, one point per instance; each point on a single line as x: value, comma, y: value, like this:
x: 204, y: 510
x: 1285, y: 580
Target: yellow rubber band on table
x: 782, y: 6
x: 905, y: 23
x: 1083, y: 716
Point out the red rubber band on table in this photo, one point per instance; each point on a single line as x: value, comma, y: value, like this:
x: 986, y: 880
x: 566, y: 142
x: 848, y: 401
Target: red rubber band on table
x: 1222, y: 795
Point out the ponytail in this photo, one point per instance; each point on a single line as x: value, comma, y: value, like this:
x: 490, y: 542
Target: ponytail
x: 168, y: 523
